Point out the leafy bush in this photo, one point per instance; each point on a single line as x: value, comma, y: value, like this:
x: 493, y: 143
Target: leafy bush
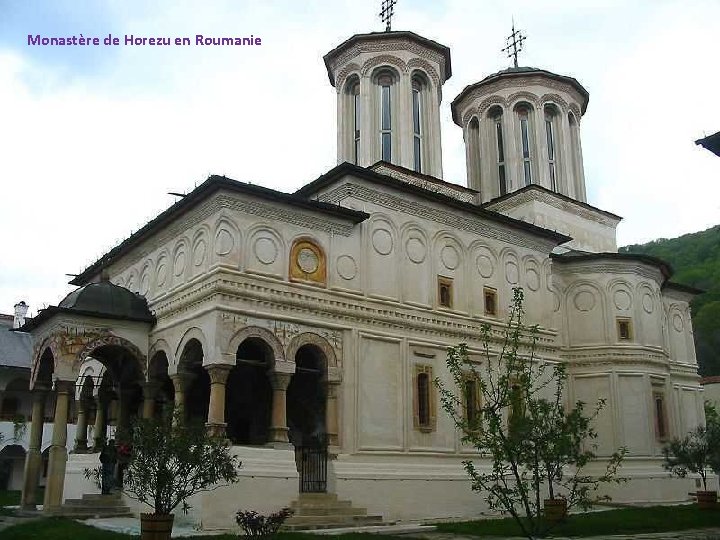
x: 258, y: 526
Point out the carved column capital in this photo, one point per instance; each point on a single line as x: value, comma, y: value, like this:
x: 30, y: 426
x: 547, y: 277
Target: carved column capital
x: 218, y: 372
x: 280, y: 381
x: 65, y: 387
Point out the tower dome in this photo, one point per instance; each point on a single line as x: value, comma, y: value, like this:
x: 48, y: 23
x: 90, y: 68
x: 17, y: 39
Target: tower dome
x: 521, y: 126
x: 389, y: 88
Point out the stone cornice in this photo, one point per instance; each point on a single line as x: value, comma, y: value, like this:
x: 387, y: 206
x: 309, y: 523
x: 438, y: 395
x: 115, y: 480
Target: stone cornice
x: 233, y: 290
x: 455, y: 220
x: 537, y: 193
x: 604, y: 266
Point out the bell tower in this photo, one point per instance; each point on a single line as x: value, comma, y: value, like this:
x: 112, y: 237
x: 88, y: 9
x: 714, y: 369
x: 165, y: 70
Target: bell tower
x: 389, y: 89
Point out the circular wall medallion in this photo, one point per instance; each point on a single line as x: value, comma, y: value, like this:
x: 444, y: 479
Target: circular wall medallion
x: 511, y: 272
x: 346, y: 267
x: 179, y: 266
x: 224, y: 242
x: 648, y: 303
x: 584, y: 301
x: 199, y: 254
x: 677, y: 322
x: 382, y: 241
x: 307, y: 260
x: 415, y: 249
x: 161, y: 273
x: 450, y: 257
x: 533, y: 279
x: 622, y: 300
x: 265, y: 250
x: 485, y: 262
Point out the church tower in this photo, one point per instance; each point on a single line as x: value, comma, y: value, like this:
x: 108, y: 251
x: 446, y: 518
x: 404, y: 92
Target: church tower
x: 522, y: 127
x: 389, y: 89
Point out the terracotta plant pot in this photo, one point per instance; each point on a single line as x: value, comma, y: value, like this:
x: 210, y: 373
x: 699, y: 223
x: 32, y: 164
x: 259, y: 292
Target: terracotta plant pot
x: 706, y: 499
x: 555, y: 510
x: 156, y: 526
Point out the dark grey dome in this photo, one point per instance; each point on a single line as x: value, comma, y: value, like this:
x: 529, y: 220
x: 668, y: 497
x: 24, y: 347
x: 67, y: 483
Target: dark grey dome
x: 107, y: 299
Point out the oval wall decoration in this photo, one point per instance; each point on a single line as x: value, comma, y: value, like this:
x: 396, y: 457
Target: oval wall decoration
x: 622, y: 300
x: 346, y: 267
x: 677, y: 322
x: 199, y: 255
x: 533, y: 279
x: 161, y: 272
x: 485, y: 262
x: 224, y: 242
x: 584, y: 301
x: 512, y: 275
x: 415, y: 249
x: 382, y: 241
x: 450, y: 257
x: 648, y: 303
x: 144, y: 283
x: 265, y: 250
x: 179, y: 266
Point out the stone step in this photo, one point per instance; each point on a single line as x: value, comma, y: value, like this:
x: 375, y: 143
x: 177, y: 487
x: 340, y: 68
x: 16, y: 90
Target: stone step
x: 332, y: 520
x: 341, y: 511
x: 320, y: 504
x: 102, y: 496
x: 317, y: 497
x: 360, y: 521
x: 94, y: 503
x: 91, y: 513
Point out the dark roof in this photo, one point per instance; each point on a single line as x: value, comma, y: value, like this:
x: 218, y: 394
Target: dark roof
x: 578, y: 256
x: 213, y: 184
x: 520, y: 72
x: 421, y: 176
x: 378, y: 36
x: 711, y: 142
x: 363, y: 173
x: 15, y: 347
x: 682, y: 287
x: 536, y: 187
x: 104, y: 300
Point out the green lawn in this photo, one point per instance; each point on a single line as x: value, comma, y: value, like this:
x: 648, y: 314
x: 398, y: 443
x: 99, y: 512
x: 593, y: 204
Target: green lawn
x: 12, y: 498
x: 621, y: 521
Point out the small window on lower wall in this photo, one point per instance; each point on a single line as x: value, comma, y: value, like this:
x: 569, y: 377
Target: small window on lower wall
x: 624, y: 329
x: 660, y: 413
x: 424, y: 416
x: 445, y: 292
x: 471, y: 403
x: 490, y: 301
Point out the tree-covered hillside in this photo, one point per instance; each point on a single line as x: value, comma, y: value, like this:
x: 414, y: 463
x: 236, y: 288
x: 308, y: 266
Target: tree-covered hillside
x: 696, y: 260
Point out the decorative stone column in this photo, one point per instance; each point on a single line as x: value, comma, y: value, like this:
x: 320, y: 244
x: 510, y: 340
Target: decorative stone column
x: 180, y: 382
x: 33, y: 459
x: 100, y: 429
x: 216, y: 411
x: 81, y: 428
x: 331, y: 412
x: 279, y: 380
x: 58, y: 451
x: 149, y: 395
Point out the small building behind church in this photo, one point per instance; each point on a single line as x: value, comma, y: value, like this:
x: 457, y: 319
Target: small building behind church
x: 316, y: 320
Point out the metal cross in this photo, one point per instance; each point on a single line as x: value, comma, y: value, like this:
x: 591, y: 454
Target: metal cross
x: 514, y: 44
x: 386, y: 13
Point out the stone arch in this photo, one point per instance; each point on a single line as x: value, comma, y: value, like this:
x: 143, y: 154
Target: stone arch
x: 146, y: 275
x: 554, y: 99
x: 344, y: 73
x: 384, y: 60
x: 161, y: 345
x: 181, y: 248
x: 117, y: 341
x: 44, y: 363
x: 257, y: 332
x: 253, y: 236
x: 471, y: 113
x: 581, y: 328
x: 226, y: 247
x: 419, y: 64
x: 491, y: 101
x: 191, y: 333
x: 515, y: 99
x: 311, y: 338
x: 201, y: 235
x: 575, y: 109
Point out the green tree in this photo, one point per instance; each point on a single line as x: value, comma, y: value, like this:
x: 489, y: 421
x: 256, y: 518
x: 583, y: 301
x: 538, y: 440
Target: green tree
x: 533, y: 445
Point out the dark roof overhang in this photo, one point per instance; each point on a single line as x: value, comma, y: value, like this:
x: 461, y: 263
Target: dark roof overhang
x: 48, y: 313
x: 213, y: 184
x: 512, y: 73
x: 380, y: 36
x: 711, y: 142
x: 577, y: 256
x: 369, y: 175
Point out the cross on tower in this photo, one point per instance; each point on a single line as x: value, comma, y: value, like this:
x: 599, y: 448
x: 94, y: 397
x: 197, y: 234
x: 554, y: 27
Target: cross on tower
x: 386, y: 13
x: 514, y: 44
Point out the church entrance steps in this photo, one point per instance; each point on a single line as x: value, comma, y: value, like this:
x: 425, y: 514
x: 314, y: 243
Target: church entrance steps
x: 326, y: 511
x: 95, y: 506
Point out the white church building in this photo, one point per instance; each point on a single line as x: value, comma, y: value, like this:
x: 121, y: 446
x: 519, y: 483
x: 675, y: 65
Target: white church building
x: 317, y: 318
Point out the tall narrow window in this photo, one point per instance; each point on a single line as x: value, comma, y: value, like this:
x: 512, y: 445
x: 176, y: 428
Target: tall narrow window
x: 661, y: 428
x: 551, y: 150
x: 523, y: 115
x: 417, y: 128
x: 471, y: 403
x: 385, y: 82
x: 356, y: 122
x: 424, y: 400
x: 500, y: 143
x: 473, y: 155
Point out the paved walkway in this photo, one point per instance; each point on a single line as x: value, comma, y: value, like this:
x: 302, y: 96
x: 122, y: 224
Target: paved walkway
x: 693, y: 534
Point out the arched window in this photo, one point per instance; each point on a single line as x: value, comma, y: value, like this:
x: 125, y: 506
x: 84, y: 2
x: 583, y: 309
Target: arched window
x: 523, y: 114
x: 351, y: 131
x: 355, y: 92
x: 552, y: 146
x: 417, y: 105
x: 385, y: 81
x: 473, y: 146
x: 496, y: 114
x: 574, y: 148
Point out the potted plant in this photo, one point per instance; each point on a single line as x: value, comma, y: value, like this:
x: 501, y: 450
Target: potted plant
x: 692, y: 453
x: 170, y: 462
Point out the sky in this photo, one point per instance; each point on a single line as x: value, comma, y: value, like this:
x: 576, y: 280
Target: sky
x: 92, y: 138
